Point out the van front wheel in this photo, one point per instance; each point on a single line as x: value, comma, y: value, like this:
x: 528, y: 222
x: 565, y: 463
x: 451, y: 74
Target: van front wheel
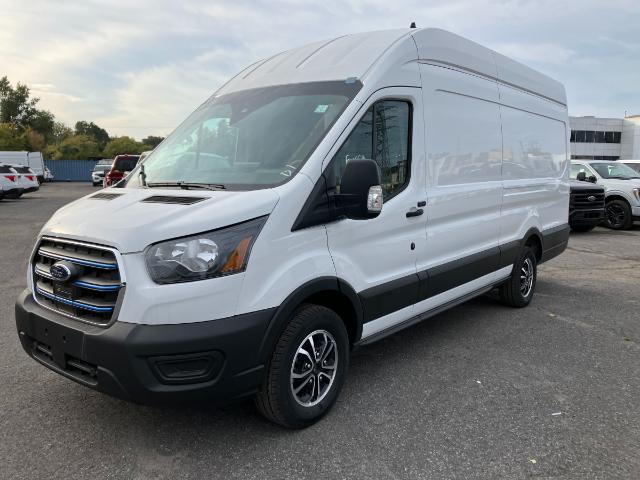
x: 307, y: 369
x: 518, y: 290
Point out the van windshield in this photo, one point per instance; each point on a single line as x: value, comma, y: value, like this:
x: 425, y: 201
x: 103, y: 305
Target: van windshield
x: 246, y: 140
x: 614, y: 170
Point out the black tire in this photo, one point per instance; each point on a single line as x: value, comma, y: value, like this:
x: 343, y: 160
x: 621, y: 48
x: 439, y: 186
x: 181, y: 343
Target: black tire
x: 511, y: 292
x: 582, y: 228
x: 276, y: 400
x: 617, y: 215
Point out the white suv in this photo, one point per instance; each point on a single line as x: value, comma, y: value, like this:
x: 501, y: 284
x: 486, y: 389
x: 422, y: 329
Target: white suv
x: 622, y: 189
x: 27, y: 178
x: 10, y: 182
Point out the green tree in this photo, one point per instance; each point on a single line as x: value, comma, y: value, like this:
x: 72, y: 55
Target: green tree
x: 152, y: 141
x: 43, y: 122
x: 77, y: 147
x: 61, y: 132
x: 34, y: 140
x: 90, y: 129
x: 122, y: 145
x: 15, y: 105
x: 10, y: 138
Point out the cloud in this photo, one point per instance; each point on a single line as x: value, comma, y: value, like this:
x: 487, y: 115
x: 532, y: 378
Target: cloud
x: 139, y: 67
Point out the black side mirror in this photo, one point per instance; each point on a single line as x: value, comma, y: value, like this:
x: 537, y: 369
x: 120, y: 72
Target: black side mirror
x: 593, y: 179
x: 360, y: 194
x: 581, y: 177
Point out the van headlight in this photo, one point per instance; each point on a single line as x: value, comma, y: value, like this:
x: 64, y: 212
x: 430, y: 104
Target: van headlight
x: 636, y: 193
x: 205, y: 255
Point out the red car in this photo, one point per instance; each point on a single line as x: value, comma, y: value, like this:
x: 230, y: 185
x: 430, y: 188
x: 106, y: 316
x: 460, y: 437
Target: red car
x: 122, y: 165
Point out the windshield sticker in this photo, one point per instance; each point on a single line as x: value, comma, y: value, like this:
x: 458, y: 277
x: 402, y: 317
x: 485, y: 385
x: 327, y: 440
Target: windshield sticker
x: 321, y: 108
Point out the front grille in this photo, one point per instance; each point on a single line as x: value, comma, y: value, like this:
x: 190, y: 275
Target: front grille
x: 92, y: 294
x: 580, y: 199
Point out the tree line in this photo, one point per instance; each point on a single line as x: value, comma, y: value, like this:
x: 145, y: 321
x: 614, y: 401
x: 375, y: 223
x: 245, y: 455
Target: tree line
x: 23, y: 126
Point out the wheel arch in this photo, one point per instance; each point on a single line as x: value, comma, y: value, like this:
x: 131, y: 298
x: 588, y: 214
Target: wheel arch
x: 330, y: 292
x: 533, y: 239
x: 617, y: 196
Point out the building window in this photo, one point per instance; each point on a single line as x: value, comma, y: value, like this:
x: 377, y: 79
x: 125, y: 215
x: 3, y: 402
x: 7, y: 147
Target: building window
x: 591, y: 136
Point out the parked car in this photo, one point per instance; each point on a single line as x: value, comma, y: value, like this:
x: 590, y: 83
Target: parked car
x: 635, y: 164
x: 586, y: 205
x: 622, y: 189
x: 283, y: 224
x: 122, y: 165
x: 99, y: 170
x: 26, y: 178
x: 10, y: 182
x: 48, y: 176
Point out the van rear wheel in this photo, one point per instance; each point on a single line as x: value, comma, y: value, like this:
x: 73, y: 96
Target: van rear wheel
x: 518, y: 290
x: 307, y: 369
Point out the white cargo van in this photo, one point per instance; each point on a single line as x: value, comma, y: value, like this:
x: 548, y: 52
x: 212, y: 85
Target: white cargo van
x: 320, y: 200
x: 32, y: 160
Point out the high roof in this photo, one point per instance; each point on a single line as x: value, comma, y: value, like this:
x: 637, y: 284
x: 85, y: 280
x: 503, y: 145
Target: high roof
x: 356, y: 56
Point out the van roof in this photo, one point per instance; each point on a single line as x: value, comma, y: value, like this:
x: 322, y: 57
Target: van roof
x: 355, y: 55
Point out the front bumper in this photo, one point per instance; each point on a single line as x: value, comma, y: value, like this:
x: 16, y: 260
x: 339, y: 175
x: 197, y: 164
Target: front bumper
x: 635, y: 212
x: 31, y: 189
x: 586, y: 217
x: 216, y: 360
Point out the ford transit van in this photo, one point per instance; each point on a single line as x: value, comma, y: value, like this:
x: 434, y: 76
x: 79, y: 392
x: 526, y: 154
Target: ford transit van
x: 320, y: 200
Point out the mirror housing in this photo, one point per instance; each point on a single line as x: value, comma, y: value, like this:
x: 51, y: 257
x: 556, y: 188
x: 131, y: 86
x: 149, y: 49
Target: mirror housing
x: 360, y: 194
x: 581, y: 176
x: 592, y: 179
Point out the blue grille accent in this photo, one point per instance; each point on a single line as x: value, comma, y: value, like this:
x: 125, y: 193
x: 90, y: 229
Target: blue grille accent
x: 73, y: 303
x: 100, y: 288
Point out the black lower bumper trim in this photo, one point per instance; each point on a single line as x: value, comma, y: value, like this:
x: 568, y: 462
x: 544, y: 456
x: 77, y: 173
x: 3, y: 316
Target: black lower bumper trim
x: 586, y: 217
x: 216, y: 360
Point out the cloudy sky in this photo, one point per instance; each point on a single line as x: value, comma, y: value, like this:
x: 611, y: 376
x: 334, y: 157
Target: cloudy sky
x: 138, y: 67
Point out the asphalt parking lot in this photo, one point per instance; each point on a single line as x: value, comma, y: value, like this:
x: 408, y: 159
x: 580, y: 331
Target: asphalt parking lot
x: 481, y: 391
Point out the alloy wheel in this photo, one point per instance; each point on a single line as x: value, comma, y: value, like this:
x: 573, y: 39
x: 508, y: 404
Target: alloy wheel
x: 526, y: 277
x: 314, y: 368
x: 616, y: 216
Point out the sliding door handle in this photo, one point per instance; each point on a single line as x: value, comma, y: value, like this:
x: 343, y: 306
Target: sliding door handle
x: 415, y: 212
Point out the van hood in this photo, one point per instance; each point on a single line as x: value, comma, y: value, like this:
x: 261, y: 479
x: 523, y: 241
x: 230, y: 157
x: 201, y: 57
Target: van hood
x: 129, y: 223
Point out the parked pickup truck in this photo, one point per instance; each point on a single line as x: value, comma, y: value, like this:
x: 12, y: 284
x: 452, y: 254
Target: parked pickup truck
x: 586, y: 205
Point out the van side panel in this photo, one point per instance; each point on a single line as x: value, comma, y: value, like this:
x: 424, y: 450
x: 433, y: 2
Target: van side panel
x: 535, y: 165
x: 464, y: 161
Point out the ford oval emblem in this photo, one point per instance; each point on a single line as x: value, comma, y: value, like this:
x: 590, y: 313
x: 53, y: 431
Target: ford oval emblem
x: 591, y: 198
x: 62, y: 271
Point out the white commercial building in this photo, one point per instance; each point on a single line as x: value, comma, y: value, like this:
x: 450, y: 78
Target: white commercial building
x: 594, y: 138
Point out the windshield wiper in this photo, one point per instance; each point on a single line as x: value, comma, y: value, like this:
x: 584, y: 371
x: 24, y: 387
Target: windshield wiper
x: 187, y: 185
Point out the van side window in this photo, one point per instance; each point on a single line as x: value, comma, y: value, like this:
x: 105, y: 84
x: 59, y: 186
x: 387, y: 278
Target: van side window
x: 384, y: 135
